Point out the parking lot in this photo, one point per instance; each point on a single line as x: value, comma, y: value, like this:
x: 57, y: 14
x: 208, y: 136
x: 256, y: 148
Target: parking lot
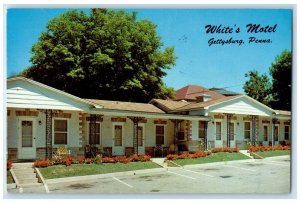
x: 259, y: 176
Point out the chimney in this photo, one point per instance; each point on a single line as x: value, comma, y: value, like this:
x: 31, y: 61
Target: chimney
x: 203, y: 98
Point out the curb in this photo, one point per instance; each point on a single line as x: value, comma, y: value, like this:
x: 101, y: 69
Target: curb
x: 100, y: 176
x: 15, y: 178
x: 218, y: 163
x: 274, y: 157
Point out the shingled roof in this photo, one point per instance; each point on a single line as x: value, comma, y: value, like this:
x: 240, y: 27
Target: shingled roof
x: 127, y: 106
x: 205, y: 104
x: 168, y: 105
x: 190, y: 92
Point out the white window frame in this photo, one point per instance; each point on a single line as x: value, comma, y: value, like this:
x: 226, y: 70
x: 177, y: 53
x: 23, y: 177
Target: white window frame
x: 247, y: 130
x: 53, y: 130
x: 220, y: 121
x: 88, y: 132
x: 164, y: 125
x: 268, y: 132
x: 289, y: 132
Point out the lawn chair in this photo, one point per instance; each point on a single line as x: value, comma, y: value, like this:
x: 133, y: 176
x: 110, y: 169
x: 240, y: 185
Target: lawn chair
x: 61, y: 152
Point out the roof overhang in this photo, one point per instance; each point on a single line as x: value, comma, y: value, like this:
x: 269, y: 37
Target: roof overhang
x: 109, y: 112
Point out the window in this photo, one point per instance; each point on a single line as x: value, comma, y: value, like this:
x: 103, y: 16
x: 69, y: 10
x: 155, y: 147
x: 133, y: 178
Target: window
x: 201, y: 129
x: 266, y: 132
x: 118, y: 135
x: 286, y: 132
x: 276, y: 131
x: 140, y: 136
x: 247, y: 130
x: 26, y: 133
x: 160, y: 132
x: 218, y: 130
x: 94, y: 134
x: 231, y: 131
x: 60, y: 131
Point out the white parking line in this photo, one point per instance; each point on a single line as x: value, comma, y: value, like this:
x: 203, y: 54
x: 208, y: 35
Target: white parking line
x: 182, y: 175
x: 198, y: 173
x: 277, y: 164
x: 122, y: 182
x: 246, y: 169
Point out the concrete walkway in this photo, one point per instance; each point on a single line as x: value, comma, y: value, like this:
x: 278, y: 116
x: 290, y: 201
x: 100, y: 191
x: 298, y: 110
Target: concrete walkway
x: 160, y: 161
x: 24, y: 175
x: 245, y: 152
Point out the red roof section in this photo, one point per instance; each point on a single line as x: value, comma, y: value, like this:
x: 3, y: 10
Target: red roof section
x: 190, y: 92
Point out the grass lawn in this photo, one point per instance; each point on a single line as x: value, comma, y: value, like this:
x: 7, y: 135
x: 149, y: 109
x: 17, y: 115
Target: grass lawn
x: 214, y: 157
x: 9, y: 178
x: 61, y: 171
x: 274, y: 153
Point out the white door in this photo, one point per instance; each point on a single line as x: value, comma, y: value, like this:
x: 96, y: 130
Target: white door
x: 141, y: 137
x: 218, y: 133
x: 27, y: 139
x: 118, y: 141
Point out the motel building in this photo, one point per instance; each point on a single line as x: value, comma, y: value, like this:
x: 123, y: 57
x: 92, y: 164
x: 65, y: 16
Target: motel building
x: 41, y: 118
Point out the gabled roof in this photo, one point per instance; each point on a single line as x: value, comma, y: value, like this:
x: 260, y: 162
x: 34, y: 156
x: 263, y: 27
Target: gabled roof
x: 12, y: 94
x: 206, y: 104
x: 168, y: 105
x: 190, y: 92
x: 126, y: 106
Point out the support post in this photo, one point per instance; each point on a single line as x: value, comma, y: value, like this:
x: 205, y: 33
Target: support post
x: 135, y: 121
x: 49, y: 115
x: 254, y: 131
x: 205, y: 135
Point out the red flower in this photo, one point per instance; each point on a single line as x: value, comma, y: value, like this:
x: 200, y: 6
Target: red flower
x: 8, y: 164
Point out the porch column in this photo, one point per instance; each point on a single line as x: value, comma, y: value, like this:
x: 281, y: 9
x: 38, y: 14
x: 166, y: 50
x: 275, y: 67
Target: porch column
x: 274, y: 121
x: 177, y: 123
x: 205, y: 135
x: 135, y: 121
x: 228, y: 116
x: 254, y: 130
x: 49, y: 115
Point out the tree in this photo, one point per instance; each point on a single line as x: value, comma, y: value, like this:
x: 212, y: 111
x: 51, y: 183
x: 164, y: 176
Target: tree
x: 107, y: 54
x: 258, y: 87
x: 281, y: 72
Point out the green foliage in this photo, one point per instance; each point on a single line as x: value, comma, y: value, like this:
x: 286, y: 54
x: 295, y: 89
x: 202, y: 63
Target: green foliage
x: 106, y: 55
x: 258, y: 87
x: 277, y: 93
x: 281, y: 72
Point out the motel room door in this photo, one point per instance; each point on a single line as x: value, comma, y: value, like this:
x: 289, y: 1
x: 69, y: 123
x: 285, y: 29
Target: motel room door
x: 26, y: 148
x: 118, y: 139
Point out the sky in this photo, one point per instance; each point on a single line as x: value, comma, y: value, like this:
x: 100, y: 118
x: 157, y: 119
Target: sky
x: 198, y: 62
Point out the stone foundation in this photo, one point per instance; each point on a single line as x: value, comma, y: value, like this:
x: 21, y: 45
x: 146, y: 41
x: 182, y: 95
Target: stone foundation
x: 12, y: 154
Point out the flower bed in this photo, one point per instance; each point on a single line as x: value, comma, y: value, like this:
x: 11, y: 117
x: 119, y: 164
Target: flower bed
x: 8, y: 164
x: 199, y: 154
x: 268, y: 148
x: 67, y: 161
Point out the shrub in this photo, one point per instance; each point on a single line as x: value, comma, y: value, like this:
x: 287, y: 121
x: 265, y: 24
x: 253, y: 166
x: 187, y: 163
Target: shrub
x: 235, y: 149
x: 81, y: 160
x: 172, y: 157
x: 184, y: 155
x: 8, y: 164
x: 98, y: 159
x: 42, y: 163
x: 134, y: 157
x: 108, y: 160
x: 144, y: 158
x: 88, y: 161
